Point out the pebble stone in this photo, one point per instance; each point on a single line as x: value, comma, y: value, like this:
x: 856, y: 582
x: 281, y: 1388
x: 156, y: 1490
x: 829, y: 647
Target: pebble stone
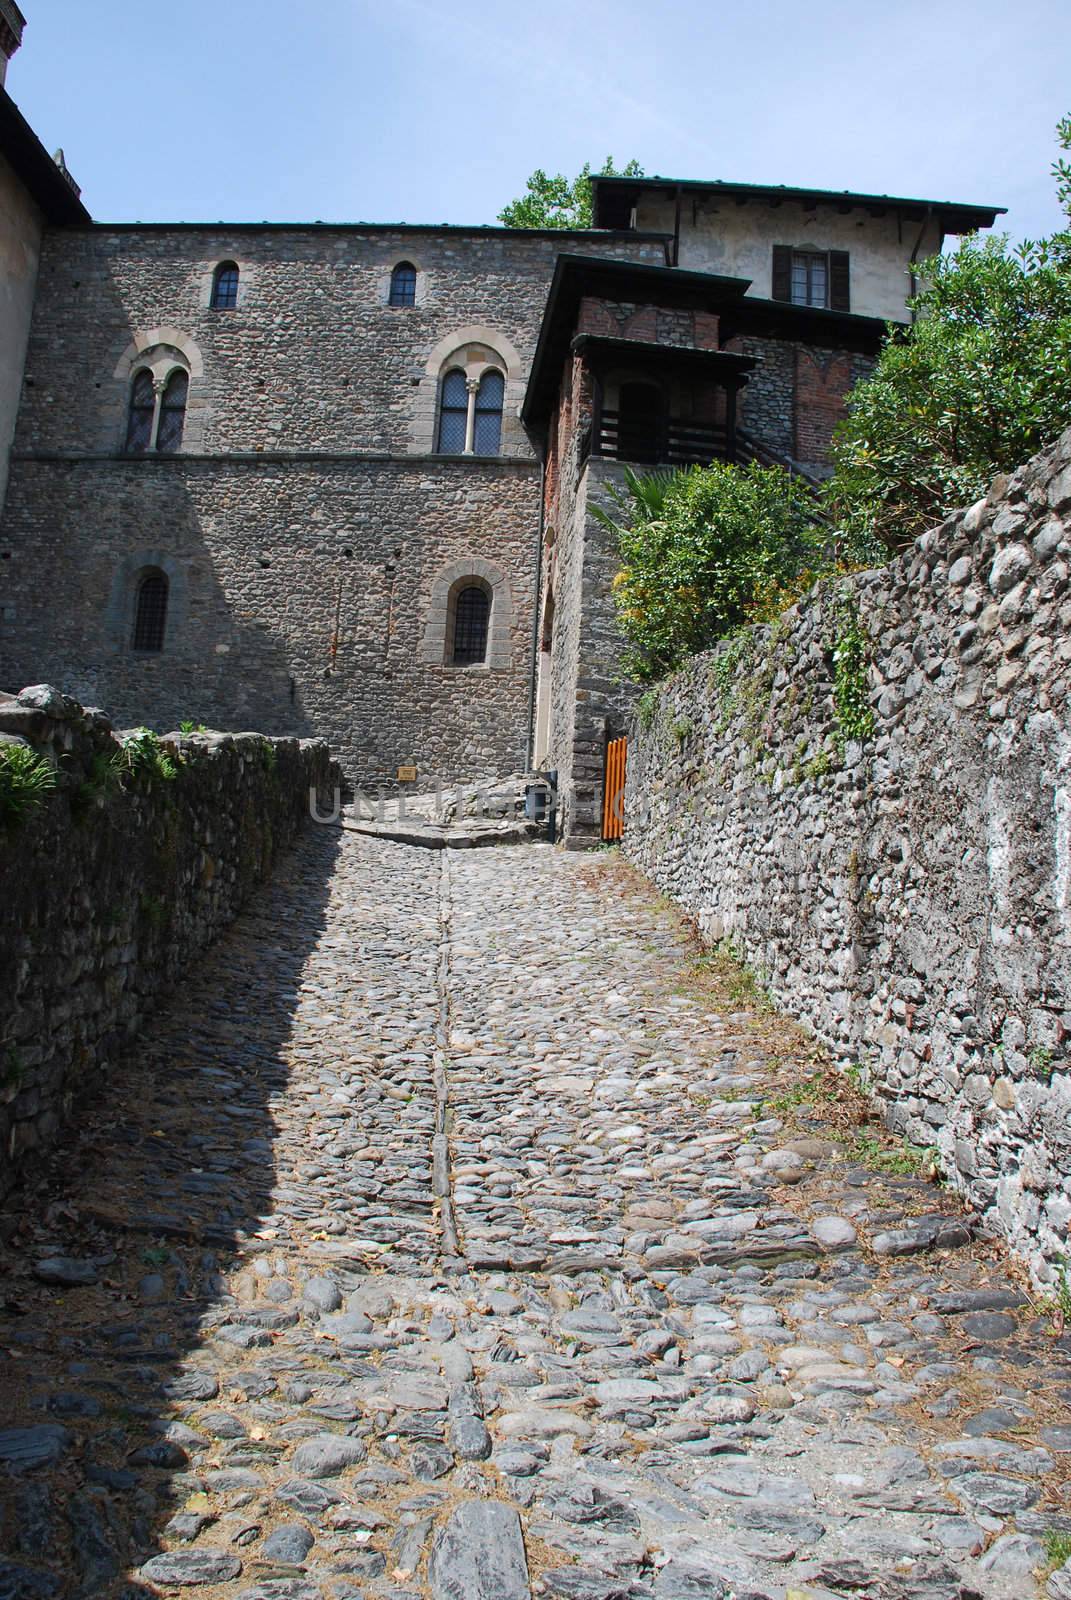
x: 478, y: 1272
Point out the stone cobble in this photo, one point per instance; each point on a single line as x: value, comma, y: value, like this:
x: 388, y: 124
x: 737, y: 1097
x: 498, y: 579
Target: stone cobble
x: 444, y: 1244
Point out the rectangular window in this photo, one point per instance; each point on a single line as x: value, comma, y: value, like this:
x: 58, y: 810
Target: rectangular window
x: 811, y: 277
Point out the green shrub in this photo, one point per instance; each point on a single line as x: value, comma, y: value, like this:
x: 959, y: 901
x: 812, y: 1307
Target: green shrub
x: 25, y: 780
x: 701, y: 551
x: 977, y: 385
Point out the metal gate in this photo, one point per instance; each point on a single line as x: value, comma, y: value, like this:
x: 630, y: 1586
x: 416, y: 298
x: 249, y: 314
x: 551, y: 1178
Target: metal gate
x: 613, y: 789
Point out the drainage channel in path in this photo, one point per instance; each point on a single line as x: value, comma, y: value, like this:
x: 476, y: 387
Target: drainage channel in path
x: 439, y: 1245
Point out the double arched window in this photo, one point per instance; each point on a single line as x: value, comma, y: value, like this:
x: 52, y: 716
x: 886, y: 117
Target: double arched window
x: 150, y: 611
x: 403, y: 285
x: 470, y: 413
x: 225, y: 286
x: 157, y: 411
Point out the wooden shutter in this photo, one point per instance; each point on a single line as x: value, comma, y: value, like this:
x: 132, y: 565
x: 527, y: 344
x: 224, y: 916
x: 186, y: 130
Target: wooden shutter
x: 840, y: 298
x: 782, y: 272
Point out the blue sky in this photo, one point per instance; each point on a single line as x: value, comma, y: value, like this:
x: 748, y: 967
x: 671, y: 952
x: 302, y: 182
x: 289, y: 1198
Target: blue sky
x: 413, y: 111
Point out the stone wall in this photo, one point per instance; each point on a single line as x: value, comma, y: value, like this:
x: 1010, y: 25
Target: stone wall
x: 20, y: 244
x: 906, y: 894
x: 300, y: 597
x: 110, y: 889
x: 588, y: 693
x: 305, y: 522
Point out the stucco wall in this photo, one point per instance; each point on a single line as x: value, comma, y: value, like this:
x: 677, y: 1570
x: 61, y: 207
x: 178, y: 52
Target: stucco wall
x: 738, y: 241
x: 908, y: 896
x: 20, y: 244
x: 110, y: 890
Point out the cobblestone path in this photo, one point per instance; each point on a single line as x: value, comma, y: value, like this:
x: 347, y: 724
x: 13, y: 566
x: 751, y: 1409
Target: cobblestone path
x: 435, y: 1242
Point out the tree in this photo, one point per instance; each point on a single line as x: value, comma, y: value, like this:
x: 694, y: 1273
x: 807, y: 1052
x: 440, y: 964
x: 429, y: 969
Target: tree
x: 979, y: 383
x: 704, y: 550
x: 554, y: 202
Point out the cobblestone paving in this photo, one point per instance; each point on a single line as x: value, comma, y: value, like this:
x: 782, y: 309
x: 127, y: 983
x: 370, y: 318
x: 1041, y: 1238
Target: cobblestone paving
x: 438, y: 1245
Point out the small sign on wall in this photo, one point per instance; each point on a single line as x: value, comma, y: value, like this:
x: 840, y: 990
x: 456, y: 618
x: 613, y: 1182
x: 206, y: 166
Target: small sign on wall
x: 407, y: 774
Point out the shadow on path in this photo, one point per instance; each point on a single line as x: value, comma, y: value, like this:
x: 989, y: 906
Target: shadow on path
x: 170, y: 1174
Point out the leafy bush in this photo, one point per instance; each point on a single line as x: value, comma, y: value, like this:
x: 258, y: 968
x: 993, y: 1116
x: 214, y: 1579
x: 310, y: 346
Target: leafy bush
x: 978, y: 384
x: 25, y: 780
x: 702, y: 552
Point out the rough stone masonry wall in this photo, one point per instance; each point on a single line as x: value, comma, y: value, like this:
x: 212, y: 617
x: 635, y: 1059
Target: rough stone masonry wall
x: 909, y: 895
x: 304, y: 524
x: 109, y: 892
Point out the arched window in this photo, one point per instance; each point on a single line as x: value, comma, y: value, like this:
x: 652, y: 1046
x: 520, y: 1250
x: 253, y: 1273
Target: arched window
x: 403, y: 285
x: 453, y: 413
x: 150, y: 612
x: 172, y: 411
x: 225, y: 287
x: 472, y: 616
x: 142, y: 411
x: 487, y: 435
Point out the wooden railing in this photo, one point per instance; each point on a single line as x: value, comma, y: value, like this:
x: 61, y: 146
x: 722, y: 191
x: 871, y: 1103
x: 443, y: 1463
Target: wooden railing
x: 667, y: 440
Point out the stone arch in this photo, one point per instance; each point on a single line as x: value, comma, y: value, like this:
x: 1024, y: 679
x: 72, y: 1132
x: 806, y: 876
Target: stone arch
x: 474, y: 333
x: 119, y: 617
x: 162, y: 351
x: 447, y: 583
x: 153, y: 338
x: 472, y: 349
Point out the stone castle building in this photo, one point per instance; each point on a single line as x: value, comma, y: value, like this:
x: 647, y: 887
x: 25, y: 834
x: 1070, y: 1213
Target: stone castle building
x: 329, y: 479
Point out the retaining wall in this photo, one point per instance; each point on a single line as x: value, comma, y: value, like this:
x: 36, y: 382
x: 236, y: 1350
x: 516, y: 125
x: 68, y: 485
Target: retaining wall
x: 907, y: 894
x: 111, y: 886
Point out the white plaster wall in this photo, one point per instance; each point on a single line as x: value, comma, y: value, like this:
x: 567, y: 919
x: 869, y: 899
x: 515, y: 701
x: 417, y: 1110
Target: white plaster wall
x: 738, y: 241
x: 20, y: 248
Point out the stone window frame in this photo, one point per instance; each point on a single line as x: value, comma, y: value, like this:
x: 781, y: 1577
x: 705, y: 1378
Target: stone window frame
x: 162, y: 352
x: 386, y: 280
x: 122, y: 602
x: 472, y: 349
x: 206, y: 283
x: 228, y: 264
x: 437, y: 646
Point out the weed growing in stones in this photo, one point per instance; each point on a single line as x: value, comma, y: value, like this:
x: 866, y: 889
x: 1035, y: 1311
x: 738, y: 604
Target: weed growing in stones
x: 1057, y: 1548
x: 25, y: 780
x: 899, y: 1161
x: 142, y: 755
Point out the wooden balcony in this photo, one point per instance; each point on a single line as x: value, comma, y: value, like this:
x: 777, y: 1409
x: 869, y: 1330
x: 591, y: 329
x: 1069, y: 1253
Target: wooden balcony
x: 660, y: 441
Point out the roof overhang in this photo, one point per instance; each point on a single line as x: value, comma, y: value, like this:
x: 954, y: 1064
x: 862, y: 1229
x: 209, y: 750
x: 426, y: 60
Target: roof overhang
x: 602, y: 351
x: 779, y: 319
x: 614, y: 198
x: 578, y: 276
x: 32, y: 164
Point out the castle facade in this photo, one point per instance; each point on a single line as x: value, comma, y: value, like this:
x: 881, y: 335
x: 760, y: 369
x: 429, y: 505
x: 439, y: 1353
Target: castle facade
x: 336, y: 480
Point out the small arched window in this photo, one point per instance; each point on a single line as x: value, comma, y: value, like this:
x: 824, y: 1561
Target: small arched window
x: 472, y: 616
x: 142, y: 411
x: 453, y: 413
x: 150, y: 612
x: 487, y: 434
x: 225, y: 286
x: 172, y: 411
x: 403, y: 285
